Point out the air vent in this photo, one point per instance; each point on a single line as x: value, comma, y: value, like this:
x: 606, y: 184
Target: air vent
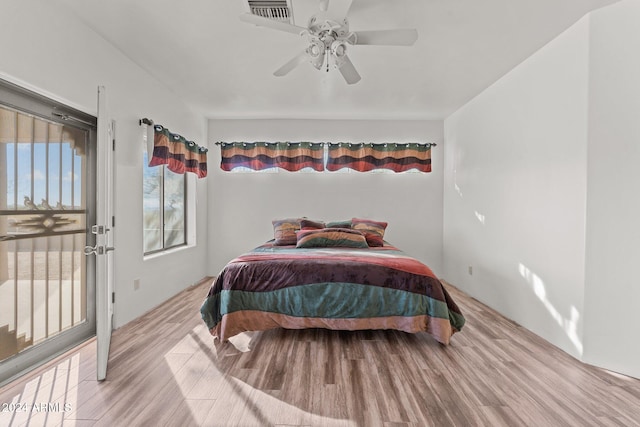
x: 275, y: 9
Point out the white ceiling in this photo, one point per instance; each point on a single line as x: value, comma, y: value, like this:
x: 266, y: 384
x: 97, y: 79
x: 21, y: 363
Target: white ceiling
x: 223, y: 67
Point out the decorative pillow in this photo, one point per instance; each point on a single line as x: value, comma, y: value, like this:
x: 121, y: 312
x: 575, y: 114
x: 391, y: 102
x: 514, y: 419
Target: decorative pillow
x: 339, y: 224
x: 314, y: 225
x: 284, y: 231
x: 331, y: 237
x: 373, y: 240
x: 373, y: 230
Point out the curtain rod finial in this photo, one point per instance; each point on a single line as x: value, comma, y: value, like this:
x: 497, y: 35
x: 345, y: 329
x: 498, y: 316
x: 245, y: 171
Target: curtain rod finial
x: 146, y: 121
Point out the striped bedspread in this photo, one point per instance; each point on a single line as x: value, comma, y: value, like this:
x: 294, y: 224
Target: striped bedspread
x: 333, y: 288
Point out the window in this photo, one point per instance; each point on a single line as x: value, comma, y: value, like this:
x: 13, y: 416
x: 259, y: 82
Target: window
x: 164, y: 213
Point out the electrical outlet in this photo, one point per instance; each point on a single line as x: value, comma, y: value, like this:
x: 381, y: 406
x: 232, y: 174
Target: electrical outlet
x: 136, y: 284
x: 470, y: 270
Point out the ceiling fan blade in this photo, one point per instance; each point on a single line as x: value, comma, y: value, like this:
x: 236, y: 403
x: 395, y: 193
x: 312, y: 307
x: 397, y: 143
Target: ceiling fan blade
x: 386, y: 37
x: 272, y: 23
x: 337, y: 8
x: 348, y: 71
x: 358, y: 6
x: 293, y: 63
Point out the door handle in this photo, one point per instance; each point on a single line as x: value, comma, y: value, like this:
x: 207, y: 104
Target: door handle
x: 104, y: 249
x: 97, y: 250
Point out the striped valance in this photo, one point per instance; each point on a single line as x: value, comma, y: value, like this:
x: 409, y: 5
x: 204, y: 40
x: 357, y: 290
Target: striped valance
x: 177, y: 153
x: 366, y: 157
x: 290, y: 156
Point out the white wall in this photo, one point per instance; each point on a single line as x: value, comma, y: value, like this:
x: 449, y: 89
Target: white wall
x: 242, y: 206
x: 612, y: 299
x: 515, y: 192
x: 541, y: 191
x: 45, y: 49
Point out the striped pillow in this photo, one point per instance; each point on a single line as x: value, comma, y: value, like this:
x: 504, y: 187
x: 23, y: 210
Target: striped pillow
x: 308, y: 224
x: 373, y: 230
x: 284, y: 231
x: 339, y: 224
x: 331, y: 237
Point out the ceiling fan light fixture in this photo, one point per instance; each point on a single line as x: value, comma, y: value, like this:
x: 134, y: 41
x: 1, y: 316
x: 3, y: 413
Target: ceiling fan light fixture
x: 316, y: 51
x: 316, y: 48
x: 339, y: 48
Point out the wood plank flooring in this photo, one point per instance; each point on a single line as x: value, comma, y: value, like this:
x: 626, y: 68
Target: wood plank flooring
x: 165, y: 369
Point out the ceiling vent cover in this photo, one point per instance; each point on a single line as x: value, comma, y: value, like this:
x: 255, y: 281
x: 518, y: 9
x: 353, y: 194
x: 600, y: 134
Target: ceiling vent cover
x: 272, y: 9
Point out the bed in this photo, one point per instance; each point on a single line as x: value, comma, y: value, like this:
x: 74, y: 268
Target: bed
x: 321, y: 284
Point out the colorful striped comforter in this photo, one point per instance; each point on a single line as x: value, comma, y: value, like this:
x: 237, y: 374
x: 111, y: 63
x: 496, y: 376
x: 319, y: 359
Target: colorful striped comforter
x: 333, y: 288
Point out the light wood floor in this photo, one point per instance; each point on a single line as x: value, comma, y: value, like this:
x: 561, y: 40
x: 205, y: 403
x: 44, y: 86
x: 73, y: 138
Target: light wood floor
x: 164, y: 369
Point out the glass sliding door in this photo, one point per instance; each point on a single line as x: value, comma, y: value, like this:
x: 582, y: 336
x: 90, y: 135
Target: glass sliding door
x: 47, y: 296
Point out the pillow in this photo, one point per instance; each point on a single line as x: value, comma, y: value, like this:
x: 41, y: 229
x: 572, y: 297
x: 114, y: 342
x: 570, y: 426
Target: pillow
x: 284, y: 231
x: 331, y: 237
x: 339, y: 224
x: 313, y: 225
x: 373, y: 240
x: 373, y: 230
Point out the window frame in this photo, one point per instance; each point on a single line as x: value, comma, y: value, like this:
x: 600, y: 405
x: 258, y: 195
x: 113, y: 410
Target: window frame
x: 163, y: 170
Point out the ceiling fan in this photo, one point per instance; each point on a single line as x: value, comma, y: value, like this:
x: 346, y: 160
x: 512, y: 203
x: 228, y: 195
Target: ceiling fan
x: 328, y: 36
